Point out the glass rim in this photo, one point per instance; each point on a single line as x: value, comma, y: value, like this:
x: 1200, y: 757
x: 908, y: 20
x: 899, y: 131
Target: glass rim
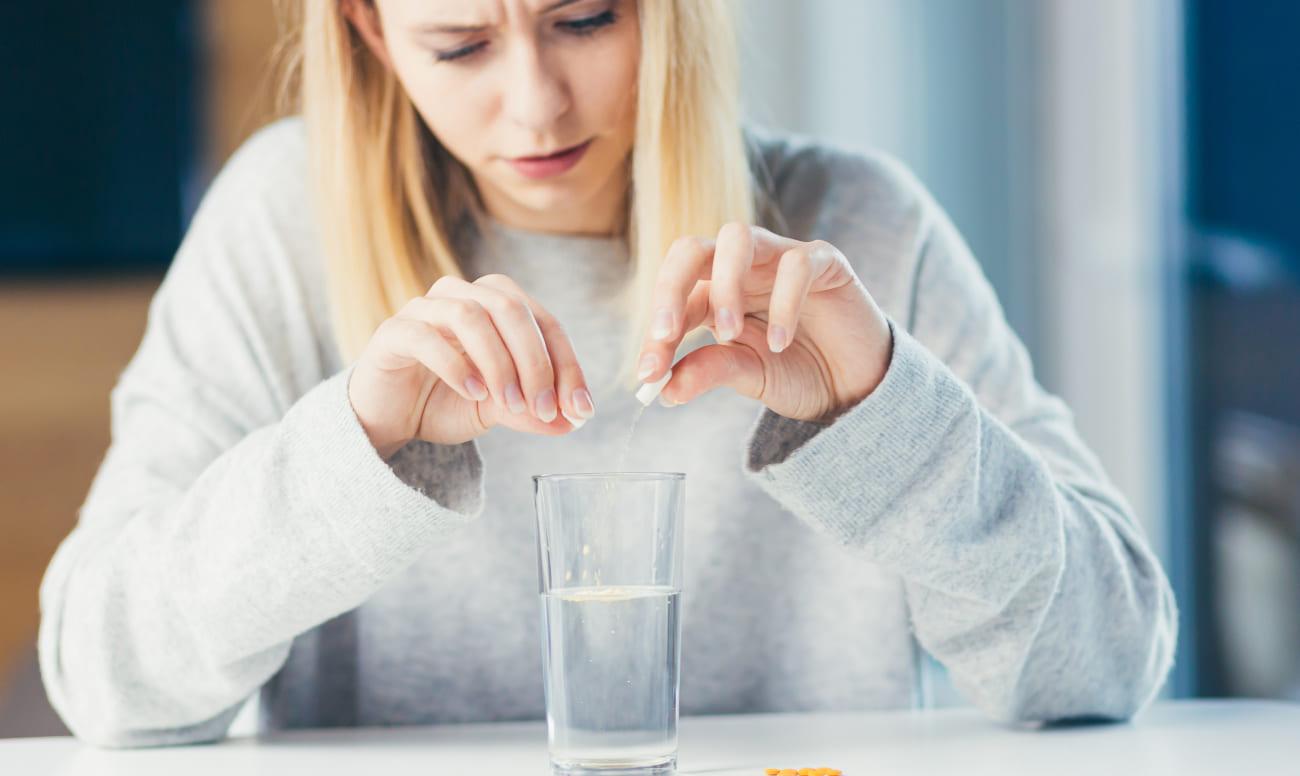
x: 634, y: 476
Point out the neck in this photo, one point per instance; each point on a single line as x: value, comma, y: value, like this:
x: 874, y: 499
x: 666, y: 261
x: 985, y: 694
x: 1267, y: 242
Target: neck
x: 602, y: 214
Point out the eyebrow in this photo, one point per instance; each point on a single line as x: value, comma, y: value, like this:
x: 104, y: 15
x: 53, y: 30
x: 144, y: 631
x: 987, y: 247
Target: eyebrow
x: 479, y: 27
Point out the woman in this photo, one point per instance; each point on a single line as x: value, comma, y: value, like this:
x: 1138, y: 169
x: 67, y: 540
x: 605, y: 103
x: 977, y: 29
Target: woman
x: 389, y: 314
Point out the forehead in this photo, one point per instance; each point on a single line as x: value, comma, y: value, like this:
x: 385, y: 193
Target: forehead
x: 470, y: 11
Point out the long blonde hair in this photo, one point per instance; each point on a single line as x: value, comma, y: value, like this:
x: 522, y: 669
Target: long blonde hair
x: 390, y: 196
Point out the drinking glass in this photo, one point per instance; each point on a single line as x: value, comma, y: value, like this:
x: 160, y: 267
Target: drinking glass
x: 609, y: 558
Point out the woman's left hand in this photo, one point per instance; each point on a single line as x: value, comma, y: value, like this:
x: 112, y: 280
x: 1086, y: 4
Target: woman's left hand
x: 796, y: 328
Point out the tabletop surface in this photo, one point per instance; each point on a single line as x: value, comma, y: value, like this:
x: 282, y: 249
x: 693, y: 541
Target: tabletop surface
x: 1184, y: 738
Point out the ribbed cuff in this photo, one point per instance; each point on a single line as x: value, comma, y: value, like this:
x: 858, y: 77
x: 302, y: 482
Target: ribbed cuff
x: 845, y: 476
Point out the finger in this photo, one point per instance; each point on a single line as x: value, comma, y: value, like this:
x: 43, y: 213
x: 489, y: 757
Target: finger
x: 423, y: 343
x: 698, y: 313
x: 687, y: 263
x: 526, y: 422
x: 523, y: 336
x: 694, y: 315
x: 469, y: 324
x: 732, y: 259
x: 514, y: 320
x: 575, y: 399
x: 736, y: 365
x: 795, y: 272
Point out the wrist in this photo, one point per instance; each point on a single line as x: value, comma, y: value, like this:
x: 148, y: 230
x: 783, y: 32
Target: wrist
x: 858, y: 390
x: 385, y: 442
x: 388, y: 450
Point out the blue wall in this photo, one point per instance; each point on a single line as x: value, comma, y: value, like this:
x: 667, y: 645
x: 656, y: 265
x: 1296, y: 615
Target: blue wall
x: 98, y: 132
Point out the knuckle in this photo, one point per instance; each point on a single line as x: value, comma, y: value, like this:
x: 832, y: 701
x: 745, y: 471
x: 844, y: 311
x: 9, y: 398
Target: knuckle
x: 504, y: 307
x: 734, y: 230
x: 551, y: 329
x: 567, y: 371
x: 503, y: 284
x: 442, y: 284
x: 686, y: 244
x: 663, y: 288
x: 496, y: 368
x: 570, y: 376
x: 401, y: 332
x: 390, y: 328
x: 465, y: 312
x: 531, y: 380
x: 545, y: 319
x: 492, y: 279
x: 417, y: 327
x: 533, y: 364
x: 827, y: 252
x: 459, y: 365
x: 798, y: 258
x: 824, y: 250
x: 413, y: 305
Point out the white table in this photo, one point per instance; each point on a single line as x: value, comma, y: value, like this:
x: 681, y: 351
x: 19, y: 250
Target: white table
x: 1186, y: 738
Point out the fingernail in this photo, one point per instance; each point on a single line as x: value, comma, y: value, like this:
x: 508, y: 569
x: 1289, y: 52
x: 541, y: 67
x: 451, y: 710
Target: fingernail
x: 726, y: 324
x: 582, y: 401
x: 647, y: 367
x: 577, y: 423
x: 515, y: 400
x: 776, y: 339
x: 647, y: 392
x: 666, y: 402
x: 663, y: 324
x: 545, y: 405
x: 475, y: 387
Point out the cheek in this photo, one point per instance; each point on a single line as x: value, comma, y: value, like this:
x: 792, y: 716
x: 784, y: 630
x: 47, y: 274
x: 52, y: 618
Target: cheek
x: 606, y: 95
x: 450, y: 104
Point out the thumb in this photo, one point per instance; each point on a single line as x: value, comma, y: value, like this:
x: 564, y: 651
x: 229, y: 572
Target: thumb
x: 735, y: 365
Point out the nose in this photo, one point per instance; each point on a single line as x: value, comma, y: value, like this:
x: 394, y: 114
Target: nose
x: 536, y: 94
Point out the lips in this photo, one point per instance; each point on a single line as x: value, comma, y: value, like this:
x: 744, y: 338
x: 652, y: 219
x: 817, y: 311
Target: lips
x: 551, y: 155
x: 550, y: 165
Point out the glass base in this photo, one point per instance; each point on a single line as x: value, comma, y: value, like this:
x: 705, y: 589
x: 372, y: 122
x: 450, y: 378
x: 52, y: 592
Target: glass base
x: 664, y: 767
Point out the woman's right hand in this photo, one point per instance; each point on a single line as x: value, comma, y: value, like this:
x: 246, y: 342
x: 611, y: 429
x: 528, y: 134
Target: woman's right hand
x: 463, y: 358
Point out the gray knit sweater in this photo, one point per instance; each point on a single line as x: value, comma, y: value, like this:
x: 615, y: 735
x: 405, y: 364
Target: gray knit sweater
x: 243, y: 537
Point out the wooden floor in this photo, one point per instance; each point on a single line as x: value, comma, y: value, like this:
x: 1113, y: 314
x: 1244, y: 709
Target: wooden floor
x: 61, y: 348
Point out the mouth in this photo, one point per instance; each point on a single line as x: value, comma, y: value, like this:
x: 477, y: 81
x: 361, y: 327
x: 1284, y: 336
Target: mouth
x: 552, y: 164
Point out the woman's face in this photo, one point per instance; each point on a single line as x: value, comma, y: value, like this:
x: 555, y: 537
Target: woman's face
x: 537, y: 98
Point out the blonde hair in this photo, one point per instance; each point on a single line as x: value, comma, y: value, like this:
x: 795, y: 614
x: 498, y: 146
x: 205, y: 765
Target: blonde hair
x: 390, y: 197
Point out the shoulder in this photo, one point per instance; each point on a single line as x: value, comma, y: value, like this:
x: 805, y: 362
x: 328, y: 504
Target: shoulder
x: 251, y: 258
x: 278, y: 146
x: 256, y: 223
x: 258, y: 213
x: 866, y: 203
x: 269, y: 169
x: 812, y: 184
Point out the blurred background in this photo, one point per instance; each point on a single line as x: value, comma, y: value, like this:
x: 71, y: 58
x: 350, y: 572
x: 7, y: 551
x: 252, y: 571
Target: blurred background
x: 1125, y: 171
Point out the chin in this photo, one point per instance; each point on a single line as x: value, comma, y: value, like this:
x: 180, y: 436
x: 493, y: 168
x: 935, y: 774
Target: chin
x: 552, y: 196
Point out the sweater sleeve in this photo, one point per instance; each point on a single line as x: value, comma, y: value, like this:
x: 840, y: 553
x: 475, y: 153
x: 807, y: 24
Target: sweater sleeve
x: 1024, y: 570
x: 233, y: 511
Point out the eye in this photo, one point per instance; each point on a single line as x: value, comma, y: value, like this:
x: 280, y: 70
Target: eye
x: 460, y: 53
x: 581, y: 27
x: 589, y: 24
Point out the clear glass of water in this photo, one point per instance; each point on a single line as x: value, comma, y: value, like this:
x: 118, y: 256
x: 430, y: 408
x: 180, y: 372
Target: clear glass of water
x: 609, y: 553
